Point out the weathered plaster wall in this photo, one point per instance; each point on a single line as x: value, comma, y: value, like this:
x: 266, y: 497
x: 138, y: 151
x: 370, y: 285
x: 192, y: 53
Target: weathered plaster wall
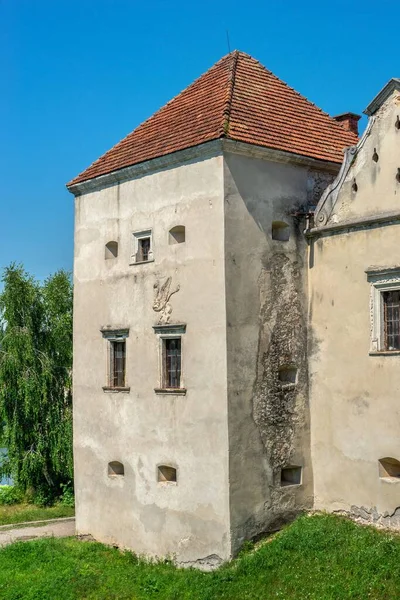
x: 355, y: 413
x: 377, y: 186
x: 139, y: 428
x: 266, y: 309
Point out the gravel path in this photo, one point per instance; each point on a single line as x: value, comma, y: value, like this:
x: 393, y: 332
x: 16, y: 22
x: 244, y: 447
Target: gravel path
x: 24, y: 531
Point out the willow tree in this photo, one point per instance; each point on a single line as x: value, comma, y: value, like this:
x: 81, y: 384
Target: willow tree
x: 35, y: 380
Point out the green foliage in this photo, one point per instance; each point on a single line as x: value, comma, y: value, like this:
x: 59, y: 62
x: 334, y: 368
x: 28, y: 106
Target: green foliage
x: 67, y: 496
x: 10, y: 494
x: 35, y: 380
x: 316, y: 558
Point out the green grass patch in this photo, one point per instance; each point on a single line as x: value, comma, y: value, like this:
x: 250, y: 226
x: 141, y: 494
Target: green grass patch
x: 316, y: 558
x: 19, y: 513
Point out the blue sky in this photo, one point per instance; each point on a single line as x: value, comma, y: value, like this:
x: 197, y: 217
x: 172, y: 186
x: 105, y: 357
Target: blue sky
x: 79, y: 75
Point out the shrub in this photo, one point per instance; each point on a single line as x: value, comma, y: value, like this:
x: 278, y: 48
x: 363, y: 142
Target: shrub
x: 67, y: 496
x: 10, y: 494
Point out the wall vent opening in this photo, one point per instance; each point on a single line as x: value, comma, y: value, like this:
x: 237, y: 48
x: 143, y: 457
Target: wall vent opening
x: 287, y: 374
x: 166, y: 474
x: 111, y: 250
x: 280, y: 231
x: 389, y: 468
x: 177, y: 235
x: 291, y: 476
x: 115, y: 469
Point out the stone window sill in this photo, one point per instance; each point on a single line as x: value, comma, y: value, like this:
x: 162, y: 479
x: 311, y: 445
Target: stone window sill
x: 115, y: 390
x: 170, y: 391
x: 141, y: 262
x: 384, y: 353
x: 167, y: 483
x: 390, y: 480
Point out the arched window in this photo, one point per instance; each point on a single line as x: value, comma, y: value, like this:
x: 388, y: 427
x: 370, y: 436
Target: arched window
x: 166, y: 474
x: 111, y: 250
x: 389, y: 468
x: 116, y: 469
x: 176, y: 235
x: 280, y: 231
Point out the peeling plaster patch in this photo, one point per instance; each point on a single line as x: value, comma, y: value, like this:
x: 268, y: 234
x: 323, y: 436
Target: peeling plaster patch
x: 208, y: 563
x: 281, y: 411
x: 370, y: 516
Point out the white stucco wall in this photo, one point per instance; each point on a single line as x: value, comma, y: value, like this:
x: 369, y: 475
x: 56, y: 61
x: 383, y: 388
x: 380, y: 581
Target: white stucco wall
x: 142, y: 429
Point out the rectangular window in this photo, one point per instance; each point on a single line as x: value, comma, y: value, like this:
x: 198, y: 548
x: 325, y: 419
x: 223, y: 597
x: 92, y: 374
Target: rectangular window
x: 143, y: 249
x: 391, y: 319
x: 116, y: 359
x: 172, y: 363
x: 117, y: 363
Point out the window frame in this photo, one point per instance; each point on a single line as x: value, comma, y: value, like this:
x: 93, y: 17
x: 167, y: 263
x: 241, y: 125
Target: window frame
x: 164, y: 333
x: 112, y: 337
x: 381, y: 280
x: 137, y: 237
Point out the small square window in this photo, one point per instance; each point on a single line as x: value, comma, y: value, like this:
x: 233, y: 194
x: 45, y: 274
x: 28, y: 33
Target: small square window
x: 142, y: 247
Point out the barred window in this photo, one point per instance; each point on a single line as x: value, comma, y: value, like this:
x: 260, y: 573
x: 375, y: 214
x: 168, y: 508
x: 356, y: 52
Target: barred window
x: 116, y: 359
x: 391, y: 319
x: 117, y: 363
x: 171, y: 362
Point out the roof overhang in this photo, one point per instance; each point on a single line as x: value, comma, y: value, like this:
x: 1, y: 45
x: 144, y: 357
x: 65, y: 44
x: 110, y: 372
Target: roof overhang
x: 392, y: 86
x: 201, y: 152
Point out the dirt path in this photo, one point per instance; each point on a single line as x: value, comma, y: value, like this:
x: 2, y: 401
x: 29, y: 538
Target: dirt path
x: 39, y: 529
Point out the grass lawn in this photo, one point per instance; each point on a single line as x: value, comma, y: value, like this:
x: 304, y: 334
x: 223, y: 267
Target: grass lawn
x: 18, y: 513
x: 316, y: 558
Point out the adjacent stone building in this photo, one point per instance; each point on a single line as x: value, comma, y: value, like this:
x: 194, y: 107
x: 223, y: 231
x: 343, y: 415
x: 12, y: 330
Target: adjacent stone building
x: 208, y: 337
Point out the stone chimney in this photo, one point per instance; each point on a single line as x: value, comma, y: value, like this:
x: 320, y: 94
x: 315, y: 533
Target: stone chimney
x: 349, y: 121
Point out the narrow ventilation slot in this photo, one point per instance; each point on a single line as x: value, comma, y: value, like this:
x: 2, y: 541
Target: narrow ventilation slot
x: 177, y: 235
x: 287, y: 374
x: 389, y: 468
x: 166, y: 474
x: 280, y: 231
x: 111, y: 250
x: 291, y: 476
x: 116, y: 469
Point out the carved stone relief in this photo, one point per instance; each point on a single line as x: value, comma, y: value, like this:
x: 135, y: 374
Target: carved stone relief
x: 162, y: 295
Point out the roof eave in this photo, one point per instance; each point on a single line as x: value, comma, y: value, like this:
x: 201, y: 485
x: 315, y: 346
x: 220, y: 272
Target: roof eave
x: 392, y: 85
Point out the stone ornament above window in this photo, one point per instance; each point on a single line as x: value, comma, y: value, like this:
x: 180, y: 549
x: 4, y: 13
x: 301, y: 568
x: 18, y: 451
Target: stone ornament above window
x: 384, y: 309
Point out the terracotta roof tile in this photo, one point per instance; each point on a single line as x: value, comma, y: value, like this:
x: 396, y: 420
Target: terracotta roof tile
x: 238, y: 99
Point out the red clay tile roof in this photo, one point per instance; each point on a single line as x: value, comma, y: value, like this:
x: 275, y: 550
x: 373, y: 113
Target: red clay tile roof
x: 238, y: 99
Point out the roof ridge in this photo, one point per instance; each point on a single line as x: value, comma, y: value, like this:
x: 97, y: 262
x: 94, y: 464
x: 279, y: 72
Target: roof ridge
x: 236, y: 98
x: 226, y: 115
